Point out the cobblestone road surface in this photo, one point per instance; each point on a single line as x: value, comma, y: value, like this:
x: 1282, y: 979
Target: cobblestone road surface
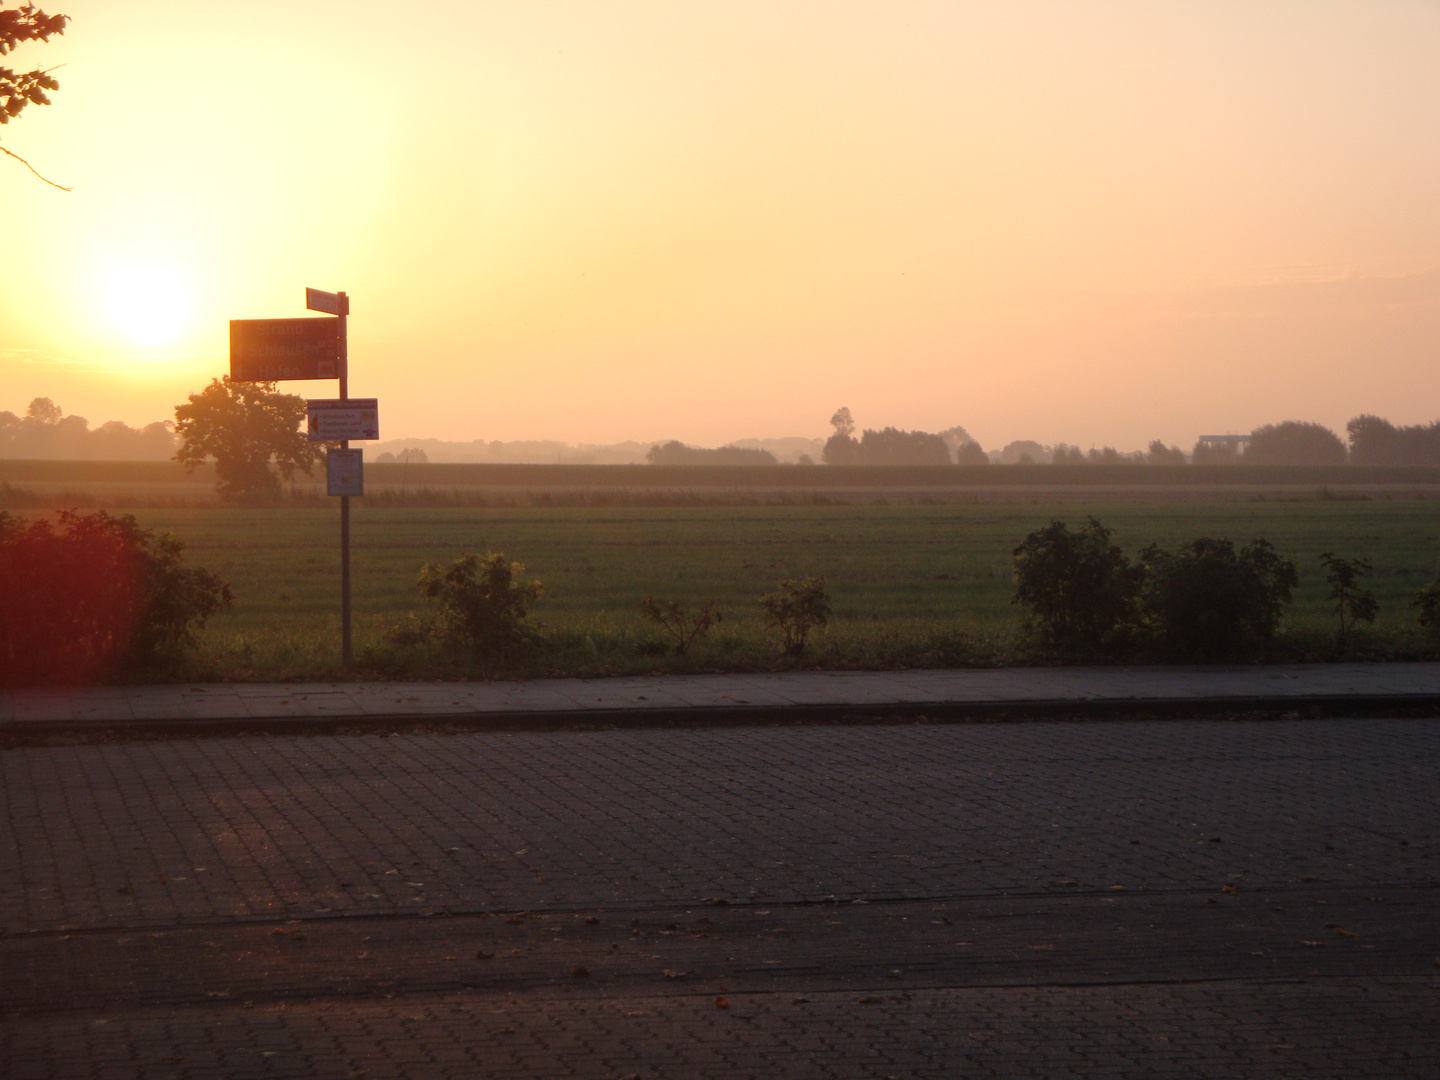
x: 1052, y: 899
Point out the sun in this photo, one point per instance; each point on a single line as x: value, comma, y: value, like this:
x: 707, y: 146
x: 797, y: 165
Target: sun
x: 149, y: 305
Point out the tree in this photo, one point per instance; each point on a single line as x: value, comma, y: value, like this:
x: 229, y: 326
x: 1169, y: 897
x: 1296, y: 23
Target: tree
x: 243, y: 425
x: 1160, y: 454
x: 1375, y: 441
x: 677, y: 453
x: 19, y: 90
x: 1065, y: 454
x: 43, y: 411
x: 971, y: 453
x: 1213, y: 453
x: 891, y: 446
x: 1294, y: 443
x: 1025, y: 448
x: 1078, y: 586
x: 842, y: 448
x: 1352, y: 603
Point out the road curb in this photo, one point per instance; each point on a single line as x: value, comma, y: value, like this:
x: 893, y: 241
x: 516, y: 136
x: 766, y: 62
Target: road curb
x: 1245, y: 708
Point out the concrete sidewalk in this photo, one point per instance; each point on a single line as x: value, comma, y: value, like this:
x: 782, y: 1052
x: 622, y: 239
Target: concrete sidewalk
x: 719, y: 697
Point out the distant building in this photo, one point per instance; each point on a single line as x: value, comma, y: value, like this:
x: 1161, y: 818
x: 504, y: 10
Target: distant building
x: 1217, y: 442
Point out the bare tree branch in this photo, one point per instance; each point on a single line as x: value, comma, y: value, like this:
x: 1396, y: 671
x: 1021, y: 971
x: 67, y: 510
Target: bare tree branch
x: 27, y: 164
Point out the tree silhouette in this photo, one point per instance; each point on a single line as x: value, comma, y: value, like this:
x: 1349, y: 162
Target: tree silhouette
x: 243, y: 425
x: 18, y: 89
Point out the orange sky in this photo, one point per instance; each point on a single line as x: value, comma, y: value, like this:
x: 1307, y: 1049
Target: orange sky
x: 1090, y: 222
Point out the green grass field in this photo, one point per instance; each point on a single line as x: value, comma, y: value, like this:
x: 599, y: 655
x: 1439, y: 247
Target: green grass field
x: 911, y: 585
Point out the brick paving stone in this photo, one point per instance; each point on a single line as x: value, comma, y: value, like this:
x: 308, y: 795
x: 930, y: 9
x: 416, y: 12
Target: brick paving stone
x: 256, y: 906
x: 159, y: 833
x: 1271, y: 1030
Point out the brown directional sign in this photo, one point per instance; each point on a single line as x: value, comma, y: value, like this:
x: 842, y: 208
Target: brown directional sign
x: 275, y: 350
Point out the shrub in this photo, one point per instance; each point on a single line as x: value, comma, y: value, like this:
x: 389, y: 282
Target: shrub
x: 1078, y: 586
x: 481, y: 602
x: 1343, y: 576
x: 93, y: 594
x: 1428, y: 601
x: 682, y: 625
x: 796, y: 608
x: 1208, y: 600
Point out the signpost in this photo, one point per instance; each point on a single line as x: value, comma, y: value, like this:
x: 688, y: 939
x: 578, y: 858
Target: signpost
x: 353, y: 418
x: 276, y: 350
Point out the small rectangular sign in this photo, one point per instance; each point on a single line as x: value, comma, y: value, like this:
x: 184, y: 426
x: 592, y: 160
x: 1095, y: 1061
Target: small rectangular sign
x: 328, y: 302
x: 276, y: 350
x: 345, y: 472
x: 335, y: 420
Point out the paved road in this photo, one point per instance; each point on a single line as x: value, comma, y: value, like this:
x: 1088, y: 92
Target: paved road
x: 1108, y: 899
x: 733, y: 696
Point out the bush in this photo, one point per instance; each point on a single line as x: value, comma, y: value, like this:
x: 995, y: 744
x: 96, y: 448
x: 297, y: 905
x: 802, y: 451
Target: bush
x: 1208, y: 600
x: 685, y: 627
x: 1352, y: 604
x: 1078, y: 586
x: 481, y: 602
x: 796, y: 608
x: 1428, y: 601
x: 92, y: 595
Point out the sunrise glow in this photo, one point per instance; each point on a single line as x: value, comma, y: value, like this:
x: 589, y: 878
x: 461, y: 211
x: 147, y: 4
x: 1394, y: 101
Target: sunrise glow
x: 146, y: 305
x: 1098, y: 223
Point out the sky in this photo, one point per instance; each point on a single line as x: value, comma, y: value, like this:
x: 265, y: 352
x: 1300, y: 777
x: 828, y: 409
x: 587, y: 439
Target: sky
x: 1092, y: 222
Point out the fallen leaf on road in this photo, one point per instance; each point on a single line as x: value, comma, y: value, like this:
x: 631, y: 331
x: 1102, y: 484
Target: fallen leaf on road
x: 579, y: 971
x: 721, y: 1003
x: 1228, y: 889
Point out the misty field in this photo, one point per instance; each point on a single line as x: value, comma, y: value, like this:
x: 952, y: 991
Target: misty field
x: 911, y: 585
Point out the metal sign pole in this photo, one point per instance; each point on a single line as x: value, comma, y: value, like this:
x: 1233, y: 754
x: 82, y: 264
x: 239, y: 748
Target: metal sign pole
x: 346, y: 653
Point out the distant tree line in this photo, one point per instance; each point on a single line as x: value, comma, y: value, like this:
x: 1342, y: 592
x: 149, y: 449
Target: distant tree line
x: 45, y: 432
x: 892, y: 446
x: 411, y: 455
x: 677, y: 453
x: 1372, y: 441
